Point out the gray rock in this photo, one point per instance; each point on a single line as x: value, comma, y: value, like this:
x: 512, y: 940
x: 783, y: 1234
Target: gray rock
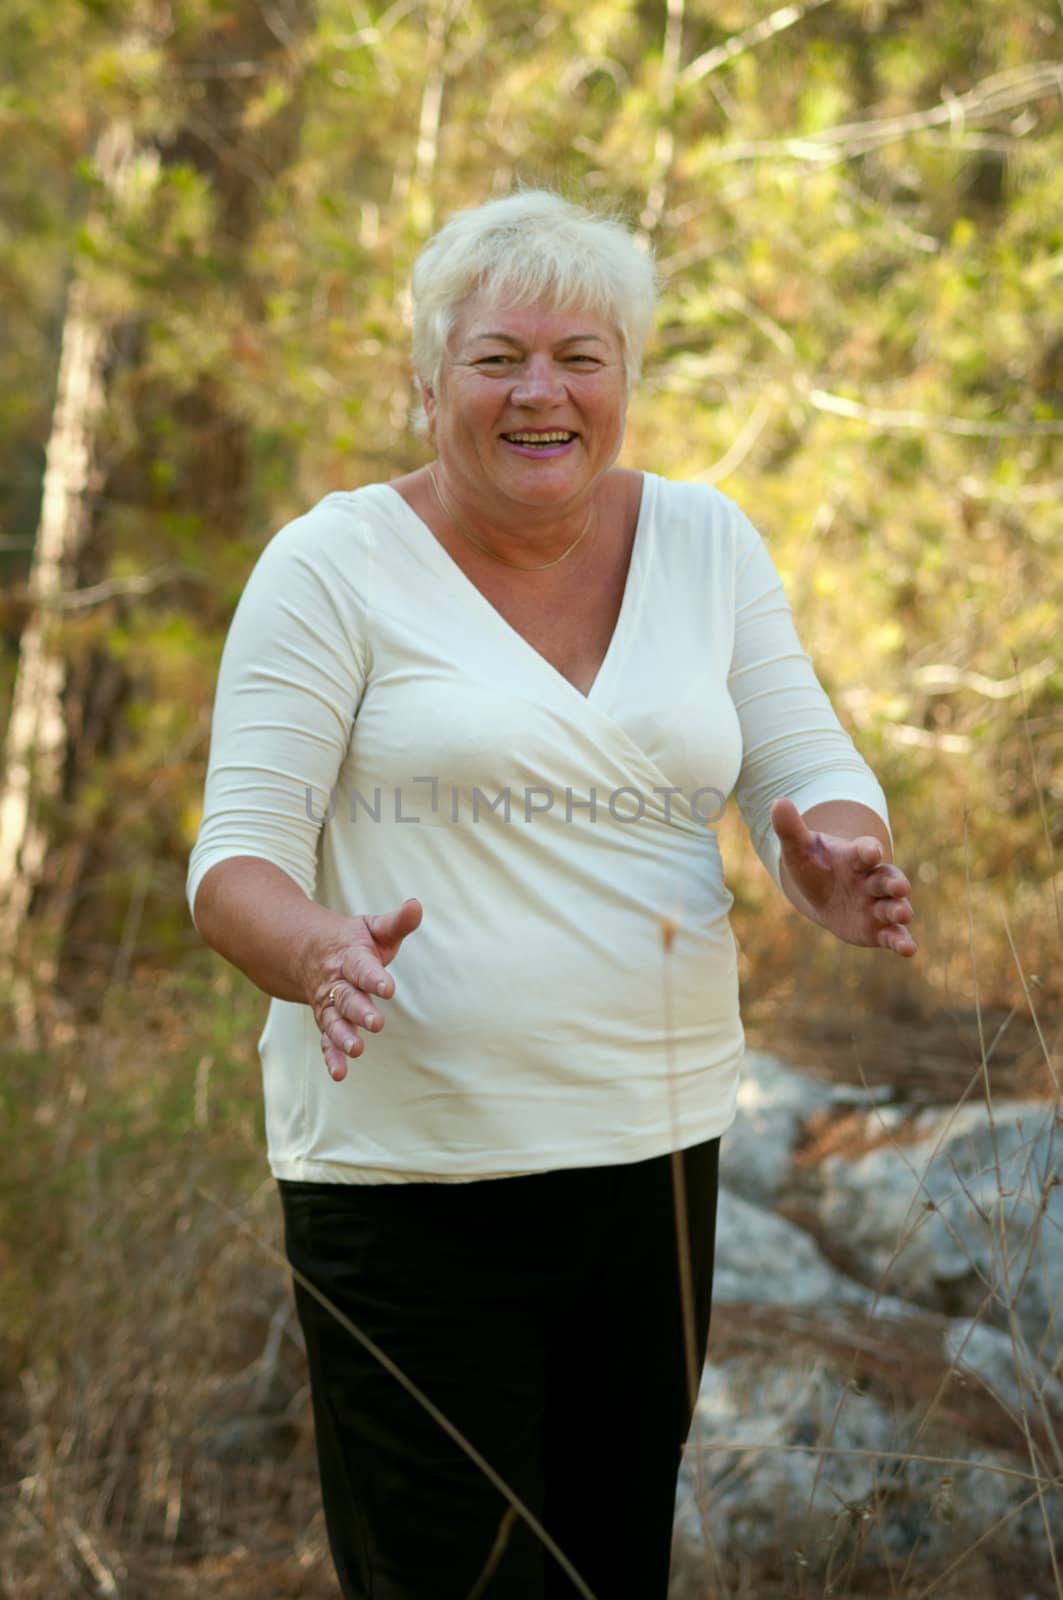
x: 761, y: 1259
x: 966, y: 1219
x: 960, y: 1214
x: 1006, y: 1367
x: 774, y: 1103
x: 786, y: 1457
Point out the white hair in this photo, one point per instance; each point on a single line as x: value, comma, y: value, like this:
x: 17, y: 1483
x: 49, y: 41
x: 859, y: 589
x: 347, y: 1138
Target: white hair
x: 529, y: 246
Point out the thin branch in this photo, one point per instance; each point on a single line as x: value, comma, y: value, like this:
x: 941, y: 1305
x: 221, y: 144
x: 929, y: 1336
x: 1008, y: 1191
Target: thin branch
x: 754, y: 1447
x: 739, y: 43
x: 953, y: 744
x: 582, y: 67
x: 430, y: 119
x: 1001, y: 1522
x: 1026, y: 494
x: 97, y: 593
x: 941, y: 678
x: 924, y: 242
x: 1001, y: 92
x: 102, y: 1575
x: 279, y: 27
x: 1049, y: 846
x: 746, y: 438
x: 772, y: 330
x: 664, y: 139
x: 925, y: 421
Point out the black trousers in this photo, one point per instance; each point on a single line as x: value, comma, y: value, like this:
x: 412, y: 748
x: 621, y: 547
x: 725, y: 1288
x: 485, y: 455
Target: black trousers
x: 542, y: 1314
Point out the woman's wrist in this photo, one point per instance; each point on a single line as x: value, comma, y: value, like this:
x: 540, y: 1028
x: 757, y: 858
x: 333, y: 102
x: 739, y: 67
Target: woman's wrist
x: 259, y: 919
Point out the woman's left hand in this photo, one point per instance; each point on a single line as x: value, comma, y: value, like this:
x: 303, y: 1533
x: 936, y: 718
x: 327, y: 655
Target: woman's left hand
x: 853, y: 891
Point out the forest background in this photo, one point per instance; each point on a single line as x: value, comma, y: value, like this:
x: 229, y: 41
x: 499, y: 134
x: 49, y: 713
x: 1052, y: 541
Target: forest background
x: 209, y: 211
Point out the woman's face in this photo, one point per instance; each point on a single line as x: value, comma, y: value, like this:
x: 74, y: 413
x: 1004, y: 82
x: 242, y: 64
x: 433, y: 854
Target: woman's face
x: 530, y: 406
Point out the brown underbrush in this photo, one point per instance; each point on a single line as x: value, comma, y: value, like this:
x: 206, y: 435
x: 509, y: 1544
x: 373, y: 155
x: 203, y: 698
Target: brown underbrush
x: 155, y: 1432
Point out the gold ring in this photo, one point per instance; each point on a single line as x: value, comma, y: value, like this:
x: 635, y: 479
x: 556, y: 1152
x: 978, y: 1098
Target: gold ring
x: 332, y: 995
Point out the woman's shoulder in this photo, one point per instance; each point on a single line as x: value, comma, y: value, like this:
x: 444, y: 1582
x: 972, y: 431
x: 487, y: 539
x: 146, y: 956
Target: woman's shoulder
x: 343, y: 514
x: 324, y: 550
x: 699, y: 512
x: 341, y: 522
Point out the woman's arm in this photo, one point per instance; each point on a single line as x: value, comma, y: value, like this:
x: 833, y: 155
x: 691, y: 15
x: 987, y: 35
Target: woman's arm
x: 258, y: 918
x: 835, y: 867
x: 815, y: 811
x: 293, y: 672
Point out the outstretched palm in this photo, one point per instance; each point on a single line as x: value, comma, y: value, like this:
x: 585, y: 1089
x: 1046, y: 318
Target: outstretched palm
x: 855, y: 893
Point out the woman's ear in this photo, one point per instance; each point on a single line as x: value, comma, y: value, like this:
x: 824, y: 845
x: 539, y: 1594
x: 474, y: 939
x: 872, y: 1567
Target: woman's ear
x: 428, y: 403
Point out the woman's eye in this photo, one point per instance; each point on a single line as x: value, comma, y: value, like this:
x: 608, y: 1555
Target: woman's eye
x: 494, y: 361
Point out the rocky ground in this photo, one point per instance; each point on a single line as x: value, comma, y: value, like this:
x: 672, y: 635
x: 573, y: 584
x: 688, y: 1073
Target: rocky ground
x: 883, y: 1397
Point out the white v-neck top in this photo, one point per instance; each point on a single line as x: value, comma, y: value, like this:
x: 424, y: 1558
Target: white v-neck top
x: 381, y: 731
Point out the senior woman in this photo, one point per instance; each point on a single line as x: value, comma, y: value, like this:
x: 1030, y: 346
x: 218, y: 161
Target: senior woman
x: 471, y: 730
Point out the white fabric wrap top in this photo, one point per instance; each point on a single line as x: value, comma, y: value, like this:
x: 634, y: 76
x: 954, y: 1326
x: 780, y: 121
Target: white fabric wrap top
x: 380, y: 731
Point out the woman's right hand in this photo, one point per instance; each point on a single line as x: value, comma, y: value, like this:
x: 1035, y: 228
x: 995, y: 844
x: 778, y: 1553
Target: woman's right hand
x: 348, y: 980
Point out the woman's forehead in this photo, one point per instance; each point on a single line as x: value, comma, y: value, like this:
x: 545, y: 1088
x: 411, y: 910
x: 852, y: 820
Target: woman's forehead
x: 486, y: 313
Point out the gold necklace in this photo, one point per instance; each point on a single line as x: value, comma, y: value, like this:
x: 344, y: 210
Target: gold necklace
x: 463, y: 530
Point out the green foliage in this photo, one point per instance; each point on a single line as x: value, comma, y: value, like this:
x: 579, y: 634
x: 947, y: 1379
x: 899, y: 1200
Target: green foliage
x: 860, y: 233
x: 859, y: 340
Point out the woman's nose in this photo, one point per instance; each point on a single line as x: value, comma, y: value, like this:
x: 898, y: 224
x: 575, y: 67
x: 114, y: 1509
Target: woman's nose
x: 538, y: 382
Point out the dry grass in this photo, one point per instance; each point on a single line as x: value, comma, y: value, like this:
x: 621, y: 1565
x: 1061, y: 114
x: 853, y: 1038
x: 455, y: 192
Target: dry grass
x: 155, y: 1439
x: 900, y: 1363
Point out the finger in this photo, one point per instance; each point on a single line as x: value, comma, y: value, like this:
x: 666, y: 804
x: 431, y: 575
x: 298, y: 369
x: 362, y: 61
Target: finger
x: 391, y: 927
x: 789, y: 823
x: 892, y: 911
x: 336, y: 1056
x: 386, y: 931
x: 898, y: 940
x: 364, y: 973
x: 336, y: 1062
x: 354, y: 1005
x: 397, y: 924
x: 338, y: 1042
x: 889, y: 880
x: 347, y: 1040
x: 868, y: 852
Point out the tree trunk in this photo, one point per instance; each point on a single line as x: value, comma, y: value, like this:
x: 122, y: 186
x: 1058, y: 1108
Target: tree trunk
x: 62, y: 716
x: 36, y: 742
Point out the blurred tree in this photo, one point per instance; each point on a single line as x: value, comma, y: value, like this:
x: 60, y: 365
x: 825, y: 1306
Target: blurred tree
x: 43, y: 703
x: 221, y: 141
x: 855, y: 205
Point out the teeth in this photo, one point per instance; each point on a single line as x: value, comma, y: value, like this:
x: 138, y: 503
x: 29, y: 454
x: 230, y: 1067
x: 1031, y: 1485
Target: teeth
x: 539, y: 438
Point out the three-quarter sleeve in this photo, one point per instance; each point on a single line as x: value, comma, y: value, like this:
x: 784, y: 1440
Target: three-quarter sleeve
x: 792, y: 741
x: 292, y: 674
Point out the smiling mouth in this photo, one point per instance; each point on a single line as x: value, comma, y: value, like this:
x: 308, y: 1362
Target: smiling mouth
x: 540, y: 441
